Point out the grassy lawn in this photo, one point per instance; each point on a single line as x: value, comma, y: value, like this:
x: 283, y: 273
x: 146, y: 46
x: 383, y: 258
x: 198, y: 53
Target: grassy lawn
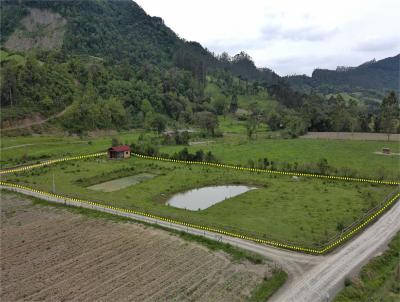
x: 354, y: 157
x: 18, y: 150
x: 306, y: 212
x: 379, y: 280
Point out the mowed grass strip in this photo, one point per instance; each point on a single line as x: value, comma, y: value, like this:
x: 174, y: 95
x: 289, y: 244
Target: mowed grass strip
x: 306, y: 212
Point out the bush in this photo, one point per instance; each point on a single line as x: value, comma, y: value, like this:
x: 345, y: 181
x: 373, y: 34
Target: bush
x: 340, y: 226
x: 185, y: 155
x: 146, y: 146
x: 347, y: 282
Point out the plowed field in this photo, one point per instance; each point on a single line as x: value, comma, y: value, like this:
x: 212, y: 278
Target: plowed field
x: 53, y: 254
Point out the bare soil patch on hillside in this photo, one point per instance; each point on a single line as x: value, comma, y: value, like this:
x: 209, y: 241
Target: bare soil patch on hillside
x: 352, y: 136
x: 53, y: 254
x: 42, y: 29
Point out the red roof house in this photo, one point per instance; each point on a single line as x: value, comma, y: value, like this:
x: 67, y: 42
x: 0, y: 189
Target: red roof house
x: 123, y: 151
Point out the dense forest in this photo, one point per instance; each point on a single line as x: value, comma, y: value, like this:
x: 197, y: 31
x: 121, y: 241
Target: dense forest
x: 119, y: 68
x: 372, y: 78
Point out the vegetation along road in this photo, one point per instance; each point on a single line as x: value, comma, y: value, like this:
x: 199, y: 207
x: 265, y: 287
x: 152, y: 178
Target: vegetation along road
x: 323, y: 281
x: 311, y: 278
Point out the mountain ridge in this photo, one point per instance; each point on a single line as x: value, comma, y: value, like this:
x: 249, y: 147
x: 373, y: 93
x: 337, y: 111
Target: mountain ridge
x: 381, y: 75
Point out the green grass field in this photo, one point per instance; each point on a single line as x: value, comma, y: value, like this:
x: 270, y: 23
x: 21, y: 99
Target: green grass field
x: 348, y: 157
x: 306, y: 212
x: 379, y: 280
x: 353, y: 158
x: 24, y: 149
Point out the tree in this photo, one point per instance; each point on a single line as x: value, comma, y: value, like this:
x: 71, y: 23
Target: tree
x: 353, y: 117
x: 115, y: 142
x: 206, y: 120
x: 339, y: 114
x: 8, y: 84
x: 323, y: 166
x: 219, y: 106
x: 146, y: 107
x: 158, y: 122
x: 234, y: 103
x: 390, y: 114
x: 295, y: 125
x: 274, y: 120
x: 251, y: 126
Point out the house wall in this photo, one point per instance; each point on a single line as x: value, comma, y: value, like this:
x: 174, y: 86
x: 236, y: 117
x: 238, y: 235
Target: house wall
x: 122, y: 154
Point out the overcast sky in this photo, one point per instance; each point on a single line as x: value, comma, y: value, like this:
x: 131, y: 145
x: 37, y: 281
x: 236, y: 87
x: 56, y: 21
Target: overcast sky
x: 288, y: 36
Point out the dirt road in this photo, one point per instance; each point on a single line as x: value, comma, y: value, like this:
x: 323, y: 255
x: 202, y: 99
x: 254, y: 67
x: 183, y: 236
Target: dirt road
x: 324, y: 280
x: 352, y: 136
x: 311, y: 278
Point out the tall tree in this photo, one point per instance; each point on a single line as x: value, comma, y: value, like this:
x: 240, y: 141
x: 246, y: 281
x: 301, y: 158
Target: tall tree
x: 390, y: 114
x: 206, y: 120
x: 234, y: 103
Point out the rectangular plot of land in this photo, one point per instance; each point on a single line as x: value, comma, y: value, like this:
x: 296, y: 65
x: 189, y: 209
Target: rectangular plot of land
x: 121, y: 183
x: 109, y: 261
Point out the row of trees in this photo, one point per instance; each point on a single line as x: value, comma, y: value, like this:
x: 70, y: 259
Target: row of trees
x: 298, y: 113
x: 103, y: 95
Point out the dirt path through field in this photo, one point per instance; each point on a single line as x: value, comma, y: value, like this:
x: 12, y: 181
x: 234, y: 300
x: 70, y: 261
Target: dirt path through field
x: 37, y: 120
x: 352, y: 136
x: 51, y: 254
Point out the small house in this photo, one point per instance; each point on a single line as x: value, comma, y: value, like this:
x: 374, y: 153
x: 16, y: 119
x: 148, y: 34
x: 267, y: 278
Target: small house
x: 385, y: 150
x: 119, y: 152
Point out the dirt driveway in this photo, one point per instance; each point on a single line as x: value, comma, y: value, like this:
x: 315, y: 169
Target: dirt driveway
x: 352, y: 136
x: 52, y: 254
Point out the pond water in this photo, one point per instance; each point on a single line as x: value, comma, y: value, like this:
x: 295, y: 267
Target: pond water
x: 206, y: 197
x: 121, y: 183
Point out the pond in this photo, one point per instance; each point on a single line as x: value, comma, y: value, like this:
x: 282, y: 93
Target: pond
x: 206, y: 197
x: 121, y: 183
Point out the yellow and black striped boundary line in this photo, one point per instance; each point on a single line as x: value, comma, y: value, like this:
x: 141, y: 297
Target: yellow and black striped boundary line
x: 50, y: 162
x: 331, y: 177
x: 203, y: 163
x: 205, y: 228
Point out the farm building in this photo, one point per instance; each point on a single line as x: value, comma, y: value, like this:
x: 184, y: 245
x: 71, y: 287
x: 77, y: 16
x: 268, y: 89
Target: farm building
x: 119, y: 152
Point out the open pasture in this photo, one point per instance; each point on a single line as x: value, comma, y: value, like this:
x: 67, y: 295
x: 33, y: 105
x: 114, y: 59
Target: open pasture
x: 345, y: 157
x: 306, y: 212
x: 357, y: 158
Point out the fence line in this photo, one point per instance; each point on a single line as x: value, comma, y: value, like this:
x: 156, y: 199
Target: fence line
x: 91, y: 204
x: 227, y: 230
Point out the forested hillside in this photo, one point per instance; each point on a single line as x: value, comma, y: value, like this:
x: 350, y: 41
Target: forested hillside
x: 372, y: 78
x: 108, y: 65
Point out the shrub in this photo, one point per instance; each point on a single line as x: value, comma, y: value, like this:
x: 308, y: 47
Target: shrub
x: 340, y: 226
x: 347, y: 281
x: 184, y: 154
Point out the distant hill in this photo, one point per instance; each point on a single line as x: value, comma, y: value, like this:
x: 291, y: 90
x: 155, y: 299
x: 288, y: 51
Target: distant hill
x: 381, y: 76
x: 108, y: 65
x: 114, y: 30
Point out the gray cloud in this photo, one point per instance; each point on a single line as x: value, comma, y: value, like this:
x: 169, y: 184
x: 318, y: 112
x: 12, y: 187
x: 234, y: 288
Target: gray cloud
x: 304, y: 33
x: 288, y: 36
x: 380, y: 44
